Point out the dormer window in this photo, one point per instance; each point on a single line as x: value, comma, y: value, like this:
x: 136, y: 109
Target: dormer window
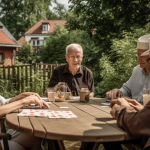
x: 45, y: 27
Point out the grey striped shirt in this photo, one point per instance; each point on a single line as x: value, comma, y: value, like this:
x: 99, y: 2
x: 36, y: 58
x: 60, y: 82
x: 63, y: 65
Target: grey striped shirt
x: 134, y: 86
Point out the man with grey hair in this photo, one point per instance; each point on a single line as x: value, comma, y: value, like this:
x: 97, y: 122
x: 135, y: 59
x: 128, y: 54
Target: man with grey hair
x: 74, y: 74
x: 133, y: 88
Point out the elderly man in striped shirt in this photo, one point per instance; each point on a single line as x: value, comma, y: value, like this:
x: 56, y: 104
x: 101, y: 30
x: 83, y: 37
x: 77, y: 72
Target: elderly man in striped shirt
x: 133, y: 88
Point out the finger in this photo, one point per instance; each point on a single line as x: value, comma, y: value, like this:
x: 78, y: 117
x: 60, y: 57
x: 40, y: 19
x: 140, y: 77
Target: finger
x: 135, y: 107
x: 107, y: 94
x: 45, y: 104
x: 111, y: 112
x: 37, y: 103
x: 113, y: 102
x: 38, y: 96
x: 119, y: 95
x: 131, y: 101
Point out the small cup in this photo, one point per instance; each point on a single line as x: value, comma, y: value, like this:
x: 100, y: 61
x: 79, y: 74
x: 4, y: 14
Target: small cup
x: 67, y: 95
x: 146, y: 99
x: 51, y: 95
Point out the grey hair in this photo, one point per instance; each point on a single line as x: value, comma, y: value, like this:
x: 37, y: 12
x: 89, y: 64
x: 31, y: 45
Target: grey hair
x: 73, y: 46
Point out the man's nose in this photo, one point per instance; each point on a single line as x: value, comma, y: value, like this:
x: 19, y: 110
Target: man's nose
x: 75, y: 59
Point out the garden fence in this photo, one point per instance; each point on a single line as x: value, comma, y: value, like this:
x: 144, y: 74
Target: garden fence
x: 22, y: 76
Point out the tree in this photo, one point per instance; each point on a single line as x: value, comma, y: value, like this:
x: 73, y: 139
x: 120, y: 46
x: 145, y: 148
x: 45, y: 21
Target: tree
x: 124, y: 52
x: 106, y: 19
x: 20, y: 15
x: 26, y: 54
x: 54, y: 51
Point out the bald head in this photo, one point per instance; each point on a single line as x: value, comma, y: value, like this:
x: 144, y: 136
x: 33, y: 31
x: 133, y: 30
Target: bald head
x: 74, y: 47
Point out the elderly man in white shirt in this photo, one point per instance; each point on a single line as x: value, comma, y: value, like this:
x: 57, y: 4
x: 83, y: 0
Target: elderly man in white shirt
x: 133, y: 88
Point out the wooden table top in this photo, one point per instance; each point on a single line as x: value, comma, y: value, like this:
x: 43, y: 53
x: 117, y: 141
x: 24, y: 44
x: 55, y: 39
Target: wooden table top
x: 93, y: 123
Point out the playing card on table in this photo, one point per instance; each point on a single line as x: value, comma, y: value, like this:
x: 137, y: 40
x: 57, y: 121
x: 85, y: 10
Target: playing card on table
x: 59, y: 114
x: 41, y: 113
x: 70, y: 114
x: 27, y: 112
x: 50, y: 115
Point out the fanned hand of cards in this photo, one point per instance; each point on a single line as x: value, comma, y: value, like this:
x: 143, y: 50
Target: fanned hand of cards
x: 47, y: 113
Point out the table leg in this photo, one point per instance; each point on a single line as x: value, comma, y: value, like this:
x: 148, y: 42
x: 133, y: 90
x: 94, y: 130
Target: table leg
x: 89, y: 146
x: 55, y: 145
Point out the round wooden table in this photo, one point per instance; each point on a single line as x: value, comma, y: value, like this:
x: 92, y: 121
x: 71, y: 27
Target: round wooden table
x: 93, y: 124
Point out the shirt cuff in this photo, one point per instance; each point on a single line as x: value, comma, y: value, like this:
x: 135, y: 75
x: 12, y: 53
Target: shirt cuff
x: 7, y: 101
x: 123, y: 91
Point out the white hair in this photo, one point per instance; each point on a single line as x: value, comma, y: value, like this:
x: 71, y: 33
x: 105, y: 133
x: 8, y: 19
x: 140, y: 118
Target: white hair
x: 73, y: 47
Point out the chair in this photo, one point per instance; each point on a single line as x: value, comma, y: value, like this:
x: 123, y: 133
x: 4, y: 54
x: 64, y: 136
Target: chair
x: 3, y: 135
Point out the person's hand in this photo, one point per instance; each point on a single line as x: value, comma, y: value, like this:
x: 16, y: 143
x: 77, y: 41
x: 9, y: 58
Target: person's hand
x: 119, y: 101
x: 23, y: 95
x: 32, y: 99
x: 114, y: 93
x: 113, y: 110
x: 136, y: 105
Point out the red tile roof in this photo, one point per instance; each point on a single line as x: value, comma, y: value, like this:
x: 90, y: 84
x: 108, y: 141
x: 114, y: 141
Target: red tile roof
x: 22, y: 41
x: 4, y: 39
x: 37, y: 28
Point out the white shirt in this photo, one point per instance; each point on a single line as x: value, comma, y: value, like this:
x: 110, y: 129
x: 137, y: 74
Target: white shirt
x: 134, y: 86
x: 4, y: 101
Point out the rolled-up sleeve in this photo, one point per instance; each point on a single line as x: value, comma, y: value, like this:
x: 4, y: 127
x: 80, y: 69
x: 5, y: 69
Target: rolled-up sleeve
x: 3, y: 101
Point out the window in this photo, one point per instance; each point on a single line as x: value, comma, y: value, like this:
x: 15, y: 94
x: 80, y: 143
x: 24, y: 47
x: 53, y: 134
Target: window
x: 1, y: 57
x: 45, y: 27
x: 38, y: 42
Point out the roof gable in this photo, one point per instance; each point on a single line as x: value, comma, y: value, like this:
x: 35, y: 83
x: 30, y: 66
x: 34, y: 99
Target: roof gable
x: 37, y: 28
x: 6, y: 39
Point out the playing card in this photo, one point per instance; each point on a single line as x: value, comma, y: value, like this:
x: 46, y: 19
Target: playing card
x: 64, y: 107
x: 41, y: 113
x: 59, y: 114
x: 105, y: 106
x: 27, y: 112
x: 70, y: 114
x: 50, y: 115
x: 108, y: 104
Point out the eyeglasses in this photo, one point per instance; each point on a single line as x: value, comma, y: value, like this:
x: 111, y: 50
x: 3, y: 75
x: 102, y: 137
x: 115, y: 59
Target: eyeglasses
x: 73, y: 57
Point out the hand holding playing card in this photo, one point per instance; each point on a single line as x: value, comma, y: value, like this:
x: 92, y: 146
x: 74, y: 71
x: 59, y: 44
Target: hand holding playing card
x: 35, y: 100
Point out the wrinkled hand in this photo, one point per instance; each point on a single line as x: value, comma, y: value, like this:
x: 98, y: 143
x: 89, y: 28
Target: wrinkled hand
x: 32, y: 99
x: 136, y: 105
x: 114, y: 93
x: 23, y: 95
x: 119, y: 101
x: 113, y: 110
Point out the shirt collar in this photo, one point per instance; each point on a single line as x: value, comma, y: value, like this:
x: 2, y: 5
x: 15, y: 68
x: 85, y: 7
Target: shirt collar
x: 66, y: 70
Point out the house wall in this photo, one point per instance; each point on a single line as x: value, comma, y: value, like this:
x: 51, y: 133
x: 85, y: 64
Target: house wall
x: 40, y: 36
x: 8, y: 55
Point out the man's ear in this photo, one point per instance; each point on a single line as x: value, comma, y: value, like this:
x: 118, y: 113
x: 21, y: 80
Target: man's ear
x: 66, y: 58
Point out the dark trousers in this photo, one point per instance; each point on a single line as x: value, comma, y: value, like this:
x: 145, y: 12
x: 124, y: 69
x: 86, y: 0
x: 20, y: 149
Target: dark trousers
x: 117, y: 145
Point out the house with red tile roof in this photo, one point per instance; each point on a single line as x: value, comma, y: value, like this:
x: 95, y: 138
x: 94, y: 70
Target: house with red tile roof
x: 8, y: 46
x: 38, y: 34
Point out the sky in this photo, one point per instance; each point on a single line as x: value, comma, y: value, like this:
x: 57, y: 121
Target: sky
x: 64, y: 2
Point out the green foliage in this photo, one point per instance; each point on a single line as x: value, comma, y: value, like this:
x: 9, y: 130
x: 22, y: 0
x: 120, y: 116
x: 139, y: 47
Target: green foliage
x: 123, y: 52
x: 54, y: 51
x: 108, y: 18
x: 20, y: 15
x: 26, y: 54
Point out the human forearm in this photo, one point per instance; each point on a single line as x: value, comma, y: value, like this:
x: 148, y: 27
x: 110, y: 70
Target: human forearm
x: 5, y: 109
